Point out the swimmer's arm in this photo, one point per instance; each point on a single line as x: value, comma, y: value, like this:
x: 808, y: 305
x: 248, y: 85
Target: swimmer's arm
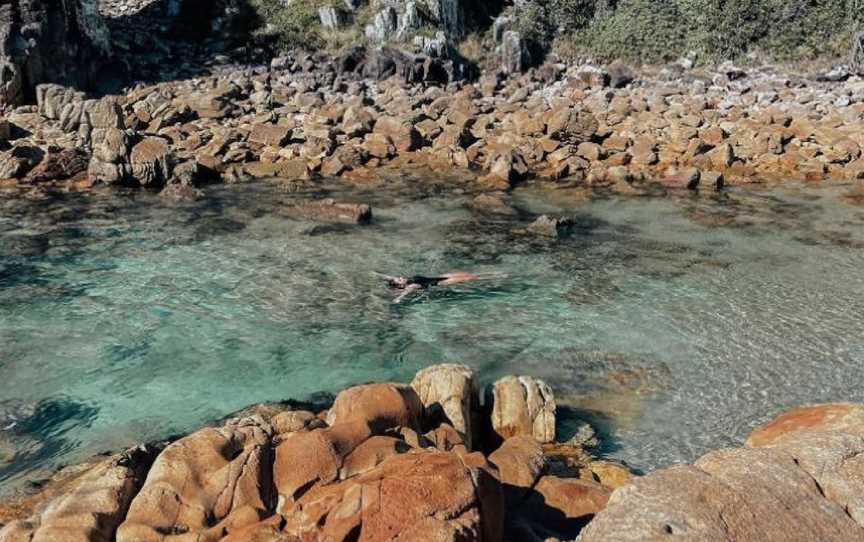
x: 406, y: 292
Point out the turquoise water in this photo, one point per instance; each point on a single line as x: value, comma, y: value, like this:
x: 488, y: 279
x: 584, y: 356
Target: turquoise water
x: 673, y: 324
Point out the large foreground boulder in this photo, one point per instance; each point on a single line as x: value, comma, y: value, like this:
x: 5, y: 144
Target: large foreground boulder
x: 205, y: 486
x: 421, y: 495
x: 91, y: 508
x: 799, y: 479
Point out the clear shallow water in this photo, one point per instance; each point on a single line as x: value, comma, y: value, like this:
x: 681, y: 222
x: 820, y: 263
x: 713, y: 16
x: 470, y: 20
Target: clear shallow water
x: 673, y: 324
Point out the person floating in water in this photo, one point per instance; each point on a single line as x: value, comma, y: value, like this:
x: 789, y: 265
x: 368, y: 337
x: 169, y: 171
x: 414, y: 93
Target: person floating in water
x: 409, y: 285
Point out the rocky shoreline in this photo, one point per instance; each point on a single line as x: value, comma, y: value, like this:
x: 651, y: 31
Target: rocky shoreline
x: 609, y: 129
x: 432, y: 461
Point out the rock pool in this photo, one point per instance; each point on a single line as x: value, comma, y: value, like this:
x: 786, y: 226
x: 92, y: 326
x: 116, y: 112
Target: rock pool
x: 672, y: 324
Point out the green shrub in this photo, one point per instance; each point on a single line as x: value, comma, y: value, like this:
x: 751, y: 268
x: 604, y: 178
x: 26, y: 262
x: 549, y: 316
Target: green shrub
x: 661, y: 30
x: 297, y: 25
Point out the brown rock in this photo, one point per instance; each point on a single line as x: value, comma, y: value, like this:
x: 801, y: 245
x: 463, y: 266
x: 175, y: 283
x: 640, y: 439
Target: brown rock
x: 431, y: 496
x: 91, y: 509
x: 571, y: 498
x: 400, y: 131
x: 304, y: 459
x: 151, y: 161
x: 834, y: 417
x: 328, y: 210
x: 271, y: 135
x: 520, y: 463
x: 204, y: 485
x: 60, y: 165
x: 572, y: 125
x: 382, y: 406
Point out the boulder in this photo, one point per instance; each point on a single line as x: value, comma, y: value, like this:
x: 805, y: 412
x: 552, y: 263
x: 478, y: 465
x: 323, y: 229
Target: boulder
x: 856, y: 59
x: 382, y: 406
x: 18, y: 162
x: 401, y: 132
x: 520, y: 464
x: 523, y: 406
x: 572, y: 125
x: 328, y: 210
x: 513, y: 52
x: 546, y: 226
x: 91, y: 508
x: 205, y: 485
x: 800, y: 478
x: 272, y: 135
x: 448, y: 394
x: 152, y: 162
x: 421, y: 495
x: 831, y: 417
x: 308, y: 458
x: 60, y: 165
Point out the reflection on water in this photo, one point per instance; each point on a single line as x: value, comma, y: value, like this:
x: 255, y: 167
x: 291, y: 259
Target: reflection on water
x: 673, y: 324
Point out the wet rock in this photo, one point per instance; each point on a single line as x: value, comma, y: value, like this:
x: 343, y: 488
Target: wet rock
x: 523, y: 406
x: 448, y: 394
x: 180, y: 193
x: 681, y: 178
x: 328, y: 210
x: 212, y: 481
x: 382, y: 406
x: 546, y: 226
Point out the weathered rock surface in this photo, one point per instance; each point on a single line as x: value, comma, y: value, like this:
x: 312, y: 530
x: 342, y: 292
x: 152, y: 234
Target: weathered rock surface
x: 798, y: 479
x: 205, y: 485
x: 449, y: 394
x: 523, y: 406
x: 91, y: 508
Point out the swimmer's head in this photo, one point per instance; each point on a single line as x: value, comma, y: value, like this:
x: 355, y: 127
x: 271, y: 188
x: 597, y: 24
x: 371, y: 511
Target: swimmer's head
x: 398, y: 282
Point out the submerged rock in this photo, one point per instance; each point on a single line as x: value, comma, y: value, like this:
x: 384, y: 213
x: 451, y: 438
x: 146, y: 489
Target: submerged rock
x: 328, y: 210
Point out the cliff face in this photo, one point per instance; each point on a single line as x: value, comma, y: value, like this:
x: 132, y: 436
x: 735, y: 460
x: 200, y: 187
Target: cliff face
x: 48, y: 41
x: 101, y: 45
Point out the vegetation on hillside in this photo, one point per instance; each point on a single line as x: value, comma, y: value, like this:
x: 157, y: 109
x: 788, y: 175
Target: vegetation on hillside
x: 634, y: 30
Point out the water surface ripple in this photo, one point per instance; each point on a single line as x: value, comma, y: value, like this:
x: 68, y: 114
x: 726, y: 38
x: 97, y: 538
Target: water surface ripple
x: 673, y: 324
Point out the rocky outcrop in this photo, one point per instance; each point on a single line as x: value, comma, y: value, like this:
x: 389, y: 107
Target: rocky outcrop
x: 205, y: 485
x: 383, y: 464
x: 799, y: 478
x: 91, y: 507
x: 377, y: 465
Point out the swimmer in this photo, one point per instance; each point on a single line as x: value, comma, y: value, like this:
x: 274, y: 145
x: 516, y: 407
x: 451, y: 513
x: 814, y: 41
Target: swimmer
x: 409, y: 285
